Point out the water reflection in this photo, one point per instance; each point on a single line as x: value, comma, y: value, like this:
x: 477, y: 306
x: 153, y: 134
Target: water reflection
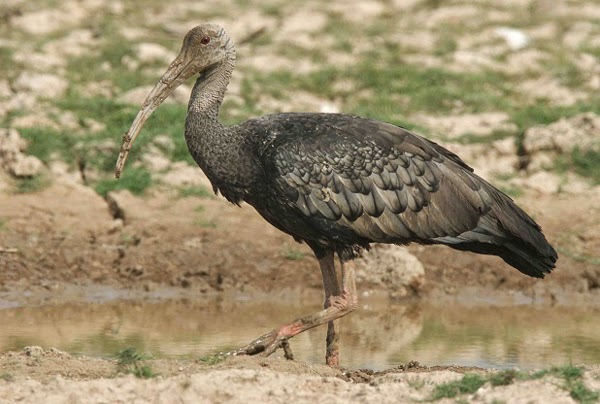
x: 379, y: 335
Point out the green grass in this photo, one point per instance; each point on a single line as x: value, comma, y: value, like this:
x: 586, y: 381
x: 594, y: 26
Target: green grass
x: 198, y: 191
x: 46, y: 143
x: 385, y: 88
x: 471, y: 138
x: 572, y: 376
x: 7, y: 377
x: 512, y: 191
x: 98, y: 151
x: 562, y: 67
x: 169, y: 119
x: 129, y: 361
x: 445, y: 45
x: 136, y: 180
x: 503, y: 378
x: 469, y: 384
x: 587, y: 164
x: 129, y: 356
x: 540, y: 113
x: 587, y: 258
x: 579, y: 392
x: 205, y: 223
x: 6, y: 60
x: 397, y: 88
x: 293, y: 254
x: 212, y: 359
x: 32, y: 184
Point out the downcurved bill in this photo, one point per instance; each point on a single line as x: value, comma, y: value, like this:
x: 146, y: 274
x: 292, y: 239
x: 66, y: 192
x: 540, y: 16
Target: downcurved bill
x: 176, y: 74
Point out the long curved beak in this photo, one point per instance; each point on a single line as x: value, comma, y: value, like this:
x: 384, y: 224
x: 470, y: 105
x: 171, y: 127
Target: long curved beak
x: 176, y: 74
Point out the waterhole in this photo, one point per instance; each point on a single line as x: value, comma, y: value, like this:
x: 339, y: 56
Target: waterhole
x: 377, y: 336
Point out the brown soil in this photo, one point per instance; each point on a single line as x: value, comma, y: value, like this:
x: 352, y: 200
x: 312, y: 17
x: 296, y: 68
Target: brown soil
x: 63, y: 244
x: 66, y: 236
x: 55, y: 376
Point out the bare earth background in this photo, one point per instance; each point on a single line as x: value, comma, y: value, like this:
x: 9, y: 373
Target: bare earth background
x: 511, y: 86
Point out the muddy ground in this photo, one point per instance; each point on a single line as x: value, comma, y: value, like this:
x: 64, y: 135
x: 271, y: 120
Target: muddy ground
x: 66, y: 235
x: 62, y: 243
x: 55, y: 376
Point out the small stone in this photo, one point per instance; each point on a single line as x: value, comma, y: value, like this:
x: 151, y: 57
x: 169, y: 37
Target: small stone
x: 515, y: 38
x: 33, y: 351
x: 155, y: 160
x: 93, y: 125
x: 165, y: 142
x: 183, y: 174
x: 136, y: 270
x: 116, y: 226
x: 152, y: 52
x: 5, y: 90
x: 394, y: 267
x: 41, y: 84
x: 544, y: 182
x: 124, y: 205
x: 150, y: 286
x: 25, y: 166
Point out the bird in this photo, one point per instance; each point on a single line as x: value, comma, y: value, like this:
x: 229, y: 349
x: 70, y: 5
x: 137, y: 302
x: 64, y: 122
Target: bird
x: 338, y: 183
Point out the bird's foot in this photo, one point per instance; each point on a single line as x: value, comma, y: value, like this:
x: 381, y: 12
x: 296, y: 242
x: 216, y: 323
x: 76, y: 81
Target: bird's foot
x: 268, y: 343
x: 345, y: 302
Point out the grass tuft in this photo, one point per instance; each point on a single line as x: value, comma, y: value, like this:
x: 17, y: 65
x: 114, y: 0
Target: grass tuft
x: 212, y: 359
x: 198, y: 191
x: 578, y: 391
x: 504, y: 377
x: 469, y: 384
x: 573, y: 383
x: 587, y: 164
x: 129, y: 362
x: 136, y: 180
x: 31, y: 184
x: 7, y: 377
x: 293, y: 254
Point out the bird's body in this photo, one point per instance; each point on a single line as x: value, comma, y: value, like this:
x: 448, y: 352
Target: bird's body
x: 342, y: 182
x: 339, y: 182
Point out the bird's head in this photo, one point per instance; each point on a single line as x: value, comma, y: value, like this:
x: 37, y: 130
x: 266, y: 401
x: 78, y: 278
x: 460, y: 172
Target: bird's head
x: 204, y: 47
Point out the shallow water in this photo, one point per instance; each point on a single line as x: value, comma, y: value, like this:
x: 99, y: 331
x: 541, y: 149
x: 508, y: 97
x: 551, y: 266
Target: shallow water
x: 379, y: 335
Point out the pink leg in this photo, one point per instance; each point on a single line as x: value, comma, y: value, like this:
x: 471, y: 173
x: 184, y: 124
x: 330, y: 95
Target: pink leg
x: 336, y: 306
x: 332, y: 289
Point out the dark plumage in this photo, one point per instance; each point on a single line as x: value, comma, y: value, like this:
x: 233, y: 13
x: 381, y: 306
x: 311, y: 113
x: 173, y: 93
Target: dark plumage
x: 343, y: 181
x: 339, y: 182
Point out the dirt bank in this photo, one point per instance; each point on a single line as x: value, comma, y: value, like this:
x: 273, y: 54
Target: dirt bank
x: 54, y: 376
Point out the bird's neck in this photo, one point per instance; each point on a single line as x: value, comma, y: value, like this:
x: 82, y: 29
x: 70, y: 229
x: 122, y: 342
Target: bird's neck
x: 220, y: 151
x: 202, y: 123
x: 209, y: 90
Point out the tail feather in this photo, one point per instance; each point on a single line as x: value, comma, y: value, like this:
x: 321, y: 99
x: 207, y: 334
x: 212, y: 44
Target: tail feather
x: 508, y: 232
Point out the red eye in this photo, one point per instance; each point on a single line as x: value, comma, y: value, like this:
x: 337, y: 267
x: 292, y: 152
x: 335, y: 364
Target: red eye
x: 205, y: 40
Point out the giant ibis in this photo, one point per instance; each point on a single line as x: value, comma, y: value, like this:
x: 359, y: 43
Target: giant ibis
x: 338, y: 183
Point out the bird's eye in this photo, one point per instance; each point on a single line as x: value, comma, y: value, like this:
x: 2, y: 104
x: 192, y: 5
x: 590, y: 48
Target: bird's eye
x: 205, y: 40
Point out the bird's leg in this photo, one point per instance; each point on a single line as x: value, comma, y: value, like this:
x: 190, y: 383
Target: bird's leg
x: 340, y: 306
x: 332, y: 289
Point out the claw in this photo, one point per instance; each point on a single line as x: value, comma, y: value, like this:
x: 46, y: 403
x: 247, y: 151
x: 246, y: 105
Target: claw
x: 339, y: 306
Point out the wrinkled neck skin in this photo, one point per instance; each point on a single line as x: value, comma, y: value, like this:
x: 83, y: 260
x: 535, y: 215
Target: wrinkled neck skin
x: 209, y: 90
x: 220, y: 151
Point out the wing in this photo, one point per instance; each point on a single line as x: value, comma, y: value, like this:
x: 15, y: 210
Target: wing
x: 378, y: 180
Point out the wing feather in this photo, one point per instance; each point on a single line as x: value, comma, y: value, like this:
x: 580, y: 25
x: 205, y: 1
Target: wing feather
x: 393, y: 188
